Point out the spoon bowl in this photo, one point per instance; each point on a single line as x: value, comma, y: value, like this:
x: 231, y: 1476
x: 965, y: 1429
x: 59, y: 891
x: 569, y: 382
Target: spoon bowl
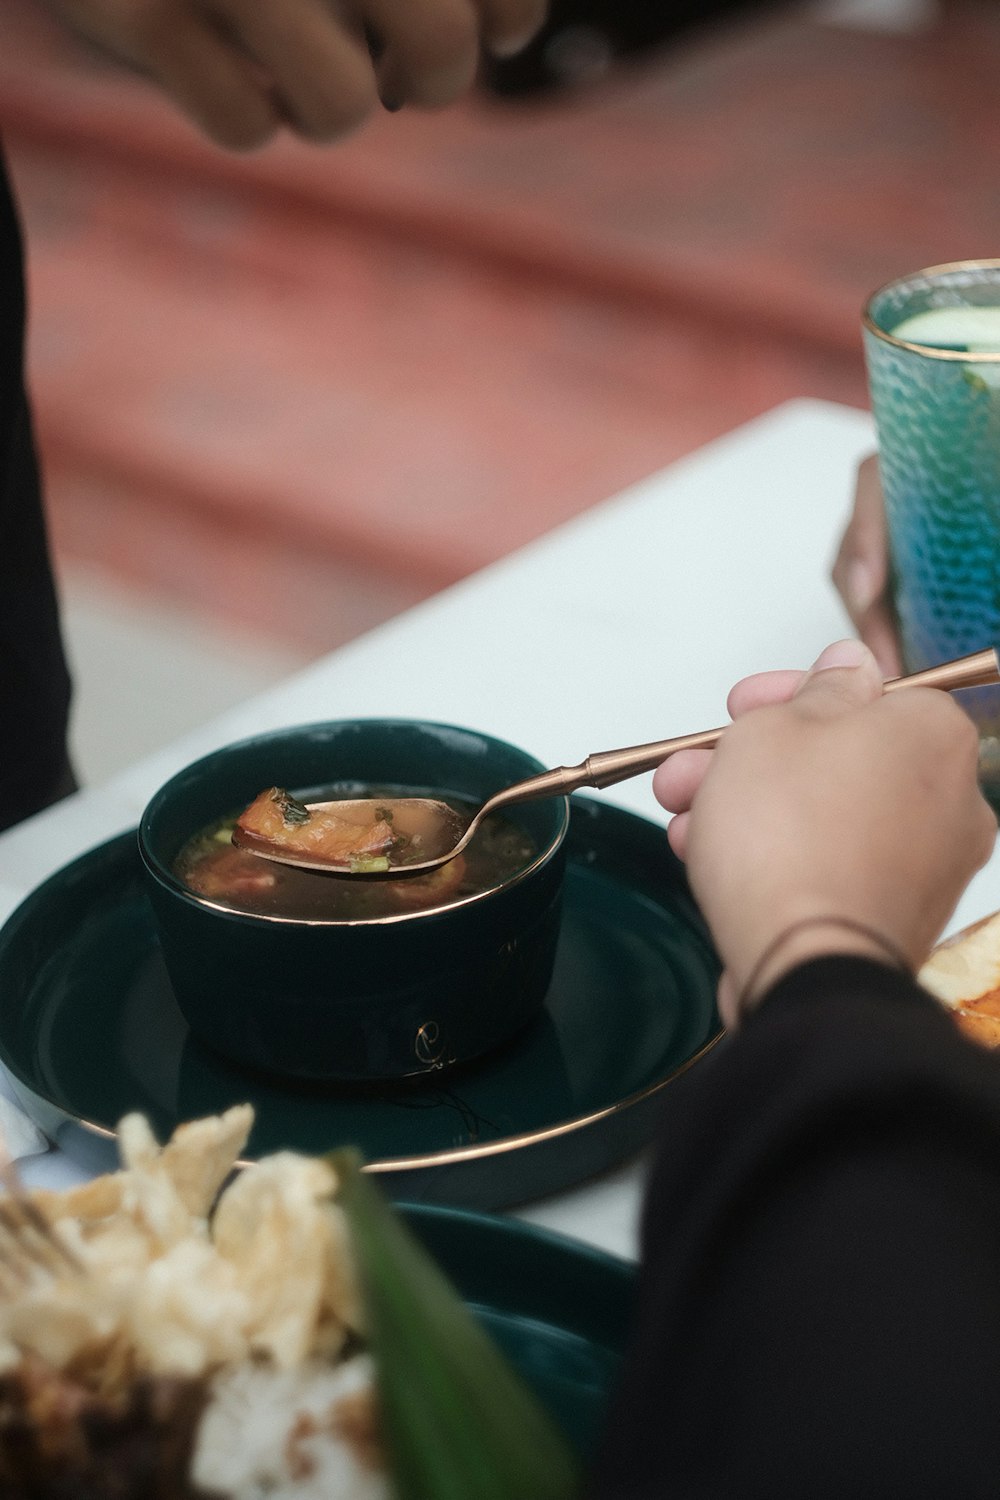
x: 390, y: 837
x: 431, y: 831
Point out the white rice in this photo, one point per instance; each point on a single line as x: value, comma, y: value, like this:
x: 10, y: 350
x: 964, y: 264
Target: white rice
x: 270, y: 1434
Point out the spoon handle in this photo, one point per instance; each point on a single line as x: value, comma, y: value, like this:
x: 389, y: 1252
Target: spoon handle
x: 606, y: 767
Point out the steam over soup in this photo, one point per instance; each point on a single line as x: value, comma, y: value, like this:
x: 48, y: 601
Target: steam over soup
x: 211, y: 866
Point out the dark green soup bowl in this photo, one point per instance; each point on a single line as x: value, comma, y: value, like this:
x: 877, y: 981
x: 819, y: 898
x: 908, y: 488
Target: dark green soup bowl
x: 357, y: 998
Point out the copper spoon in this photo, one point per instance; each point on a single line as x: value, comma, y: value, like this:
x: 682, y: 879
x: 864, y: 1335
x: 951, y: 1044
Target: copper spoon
x: 443, y: 832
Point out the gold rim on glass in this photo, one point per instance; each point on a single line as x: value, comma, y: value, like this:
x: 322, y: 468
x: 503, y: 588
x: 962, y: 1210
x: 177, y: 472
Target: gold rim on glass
x: 954, y: 356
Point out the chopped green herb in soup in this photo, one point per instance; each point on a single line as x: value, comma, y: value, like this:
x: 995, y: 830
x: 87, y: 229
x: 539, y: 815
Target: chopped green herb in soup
x: 210, y: 865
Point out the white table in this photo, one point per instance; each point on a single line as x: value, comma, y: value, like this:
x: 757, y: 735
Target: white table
x: 627, y: 625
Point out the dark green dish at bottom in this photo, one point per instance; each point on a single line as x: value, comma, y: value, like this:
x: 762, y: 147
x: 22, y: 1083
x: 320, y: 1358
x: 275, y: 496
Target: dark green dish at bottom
x: 559, y: 1310
x: 89, y: 1029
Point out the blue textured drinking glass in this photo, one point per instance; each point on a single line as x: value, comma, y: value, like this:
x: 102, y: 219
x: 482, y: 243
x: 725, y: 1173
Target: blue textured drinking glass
x: 933, y: 355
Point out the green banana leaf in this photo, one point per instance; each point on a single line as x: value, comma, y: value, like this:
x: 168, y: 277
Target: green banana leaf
x: 458, y: 1421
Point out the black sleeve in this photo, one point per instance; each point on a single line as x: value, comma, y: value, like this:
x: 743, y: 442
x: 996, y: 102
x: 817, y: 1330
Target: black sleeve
x: 819, y: 1306
x: 34, y: 682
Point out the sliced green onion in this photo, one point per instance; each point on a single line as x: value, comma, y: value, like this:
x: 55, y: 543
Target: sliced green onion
x: 368, y: 864
x: 293, y: 812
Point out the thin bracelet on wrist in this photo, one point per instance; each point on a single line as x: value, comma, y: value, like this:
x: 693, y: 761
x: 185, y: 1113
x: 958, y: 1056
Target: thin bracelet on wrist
x: 749, y: 997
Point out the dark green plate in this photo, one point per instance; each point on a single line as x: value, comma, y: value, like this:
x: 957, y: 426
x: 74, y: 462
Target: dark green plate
x: 89, y: 1029
x: 559, y: 1310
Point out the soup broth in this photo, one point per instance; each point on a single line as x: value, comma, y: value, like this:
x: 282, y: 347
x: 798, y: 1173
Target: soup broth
x: 211, y: 866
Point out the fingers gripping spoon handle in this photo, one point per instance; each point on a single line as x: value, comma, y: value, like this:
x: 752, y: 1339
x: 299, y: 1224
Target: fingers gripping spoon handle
x: 443, y: 832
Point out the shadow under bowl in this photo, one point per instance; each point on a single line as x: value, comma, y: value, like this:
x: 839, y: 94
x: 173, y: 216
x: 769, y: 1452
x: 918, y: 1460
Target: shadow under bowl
x: 357, y: 999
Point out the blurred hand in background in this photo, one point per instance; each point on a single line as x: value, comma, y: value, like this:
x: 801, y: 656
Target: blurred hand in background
x: 861, y: 571
x: 243, y: 69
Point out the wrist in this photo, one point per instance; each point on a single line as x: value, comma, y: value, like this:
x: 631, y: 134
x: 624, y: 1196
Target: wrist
x: 809, y: 937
